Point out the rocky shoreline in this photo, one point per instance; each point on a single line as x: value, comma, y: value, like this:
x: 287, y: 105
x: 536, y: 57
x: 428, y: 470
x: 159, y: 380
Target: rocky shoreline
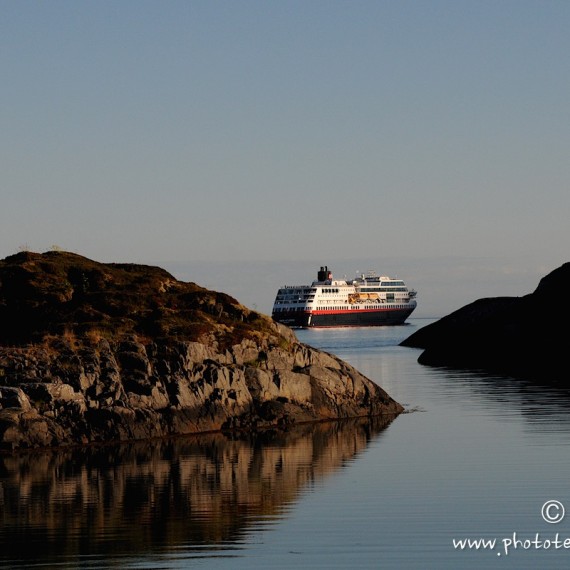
x: 89, y: 384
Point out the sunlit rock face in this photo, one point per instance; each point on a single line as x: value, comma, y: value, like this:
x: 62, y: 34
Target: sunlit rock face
x: 94, y: 352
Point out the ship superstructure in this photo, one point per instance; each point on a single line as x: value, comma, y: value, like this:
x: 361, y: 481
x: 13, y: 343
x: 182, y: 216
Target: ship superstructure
x: 367, y: 300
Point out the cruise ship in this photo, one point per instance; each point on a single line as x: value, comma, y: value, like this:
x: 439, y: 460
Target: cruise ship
x: 367, y: 300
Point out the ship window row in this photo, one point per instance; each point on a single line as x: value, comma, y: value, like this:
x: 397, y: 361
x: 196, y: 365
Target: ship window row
x: 378, y: 283
x: 381, y: 289
x: 294, y: 291
x: 328, y: 290
x: 336, y: 308
x: 389, y: 299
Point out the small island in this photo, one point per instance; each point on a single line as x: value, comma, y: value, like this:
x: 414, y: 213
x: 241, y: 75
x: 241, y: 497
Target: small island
x: 105, y: 352
x: 516, y: 336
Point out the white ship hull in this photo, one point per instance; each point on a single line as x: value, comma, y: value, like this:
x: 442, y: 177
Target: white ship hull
x: 366, y: 301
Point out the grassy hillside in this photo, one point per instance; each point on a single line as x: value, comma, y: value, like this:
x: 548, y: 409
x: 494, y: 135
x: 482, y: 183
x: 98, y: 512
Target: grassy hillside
x: 62, y: 293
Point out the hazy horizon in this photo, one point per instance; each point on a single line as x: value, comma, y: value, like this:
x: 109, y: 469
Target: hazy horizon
x: 243, y: 144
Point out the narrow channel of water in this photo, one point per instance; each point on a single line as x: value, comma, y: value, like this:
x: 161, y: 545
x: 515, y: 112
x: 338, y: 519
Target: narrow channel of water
x: 476, y: 457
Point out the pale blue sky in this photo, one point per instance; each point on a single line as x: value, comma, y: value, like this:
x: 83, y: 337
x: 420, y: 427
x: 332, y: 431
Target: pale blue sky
x: 240, y: 144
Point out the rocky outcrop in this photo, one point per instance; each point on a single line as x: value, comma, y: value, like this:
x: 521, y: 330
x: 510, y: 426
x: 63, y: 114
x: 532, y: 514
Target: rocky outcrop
x: 91, y: 383
x: 510, y: 335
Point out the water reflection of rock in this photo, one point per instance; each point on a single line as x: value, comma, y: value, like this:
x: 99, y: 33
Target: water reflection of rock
x: 194, y: 492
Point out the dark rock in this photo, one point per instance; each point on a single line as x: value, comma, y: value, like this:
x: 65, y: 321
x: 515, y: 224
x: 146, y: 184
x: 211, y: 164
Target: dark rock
x: 508, y: 335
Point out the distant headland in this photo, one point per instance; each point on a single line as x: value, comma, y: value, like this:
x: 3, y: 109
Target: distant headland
x: 102, y: 352
x: 519, y: 336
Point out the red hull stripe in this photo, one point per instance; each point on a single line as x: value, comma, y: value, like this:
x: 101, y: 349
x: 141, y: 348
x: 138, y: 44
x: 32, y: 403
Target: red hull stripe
x: 355, y: 312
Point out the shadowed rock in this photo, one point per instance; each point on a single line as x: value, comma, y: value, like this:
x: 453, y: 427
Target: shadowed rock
x: 510, y: 335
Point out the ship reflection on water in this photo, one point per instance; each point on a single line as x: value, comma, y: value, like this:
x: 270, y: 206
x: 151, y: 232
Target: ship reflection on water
x: 196, y: 496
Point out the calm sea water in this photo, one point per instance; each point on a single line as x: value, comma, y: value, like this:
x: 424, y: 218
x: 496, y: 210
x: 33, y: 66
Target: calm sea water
x: 476, y: 457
